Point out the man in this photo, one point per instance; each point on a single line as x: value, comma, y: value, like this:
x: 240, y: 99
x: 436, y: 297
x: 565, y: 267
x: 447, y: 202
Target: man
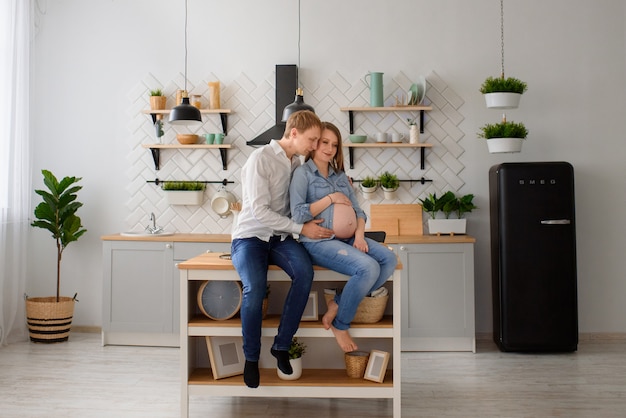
x: 263, y: 235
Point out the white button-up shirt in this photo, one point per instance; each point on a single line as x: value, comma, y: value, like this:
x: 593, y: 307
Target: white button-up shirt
x: 265, y: 181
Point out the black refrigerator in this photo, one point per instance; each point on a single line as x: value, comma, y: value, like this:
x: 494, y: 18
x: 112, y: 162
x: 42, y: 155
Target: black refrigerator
x: 533, y: 256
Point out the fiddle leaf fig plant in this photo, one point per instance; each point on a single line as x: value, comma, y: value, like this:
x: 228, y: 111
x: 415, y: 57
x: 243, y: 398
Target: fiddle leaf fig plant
x: 57, y: 214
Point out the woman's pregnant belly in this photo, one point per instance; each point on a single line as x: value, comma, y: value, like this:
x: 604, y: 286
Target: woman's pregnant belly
x: 344, y: 221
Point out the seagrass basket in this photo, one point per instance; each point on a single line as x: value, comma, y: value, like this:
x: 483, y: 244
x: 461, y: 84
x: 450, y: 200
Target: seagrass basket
x: 49, y: 321
x: 369, y: 311
x: 356, y: 362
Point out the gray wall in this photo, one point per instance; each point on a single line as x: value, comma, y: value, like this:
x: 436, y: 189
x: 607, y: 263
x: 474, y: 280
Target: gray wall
x: 94, y: 59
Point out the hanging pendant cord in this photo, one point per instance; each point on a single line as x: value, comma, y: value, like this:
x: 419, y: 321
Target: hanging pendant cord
x: 502, y: 36
x: 185, y: 45
x: 299, y: 37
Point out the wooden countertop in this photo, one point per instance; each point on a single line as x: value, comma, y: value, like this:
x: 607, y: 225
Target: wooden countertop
x: 212, y: 261
x: 171, y: 238
x: 391, y: 239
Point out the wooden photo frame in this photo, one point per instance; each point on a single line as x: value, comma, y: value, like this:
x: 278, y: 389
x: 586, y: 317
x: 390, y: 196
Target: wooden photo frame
x: 226, y: 356
x: 310, y: 310
x: 377, y: 366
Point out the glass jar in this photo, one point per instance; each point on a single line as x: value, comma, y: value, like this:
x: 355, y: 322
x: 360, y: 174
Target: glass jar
x: 195, y: 100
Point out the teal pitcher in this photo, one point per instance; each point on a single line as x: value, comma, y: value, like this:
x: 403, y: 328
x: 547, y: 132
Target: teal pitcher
x: 376, y: 88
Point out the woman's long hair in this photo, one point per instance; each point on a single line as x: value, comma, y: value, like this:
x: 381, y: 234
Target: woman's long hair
x: 337, y: 162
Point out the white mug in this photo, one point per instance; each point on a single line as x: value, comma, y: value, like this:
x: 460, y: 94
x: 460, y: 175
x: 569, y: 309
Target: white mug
x: 397, y: 137
x: 381, y: 137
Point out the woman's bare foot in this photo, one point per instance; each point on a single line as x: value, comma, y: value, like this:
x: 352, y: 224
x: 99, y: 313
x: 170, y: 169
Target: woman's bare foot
x: 344, y: 340
x: 330, y: 314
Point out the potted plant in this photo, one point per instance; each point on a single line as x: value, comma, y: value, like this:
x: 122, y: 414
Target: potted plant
x: 389, y: 183
x: 184, y: 192
x: 157, y: 100
x: 447, y: 204
x: 504, y: 136
x: 502, y: 93
x: 296, y: 350
x: 368, y: 187
x: 158, y: 127
x: 50, y: 318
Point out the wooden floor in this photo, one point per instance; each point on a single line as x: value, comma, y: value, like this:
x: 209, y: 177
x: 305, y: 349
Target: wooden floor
x: 81, y: 378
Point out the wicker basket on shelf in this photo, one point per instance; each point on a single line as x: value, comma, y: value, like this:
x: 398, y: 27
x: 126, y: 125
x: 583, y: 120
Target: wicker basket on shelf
x: 356, y: 362
x: 369, y: 311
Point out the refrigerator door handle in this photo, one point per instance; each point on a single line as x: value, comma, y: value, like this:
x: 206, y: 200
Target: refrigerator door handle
x: 556, y: 222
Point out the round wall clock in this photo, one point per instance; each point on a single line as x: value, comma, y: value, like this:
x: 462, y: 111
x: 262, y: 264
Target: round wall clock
x: 219, y: 299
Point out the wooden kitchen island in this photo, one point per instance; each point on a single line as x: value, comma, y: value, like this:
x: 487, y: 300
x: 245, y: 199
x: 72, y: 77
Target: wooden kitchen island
x: 316, y: 381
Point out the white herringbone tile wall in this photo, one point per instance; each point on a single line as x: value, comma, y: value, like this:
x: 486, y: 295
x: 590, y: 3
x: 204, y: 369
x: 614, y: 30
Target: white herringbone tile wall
x: 252, y: 105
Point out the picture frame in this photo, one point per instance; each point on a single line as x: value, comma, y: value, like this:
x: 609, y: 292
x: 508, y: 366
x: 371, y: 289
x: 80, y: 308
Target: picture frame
x: 310, y: 310
x: 377, y: 366
x: 226, y: 356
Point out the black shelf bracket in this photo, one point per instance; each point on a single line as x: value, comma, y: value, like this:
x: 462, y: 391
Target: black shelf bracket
x: 156, y: 156
x: 351, y: 157
x: 224, y: 119
x: 422, y: 124
x: 422, y: 157
x: 351, y: 119
x: 224, y: 155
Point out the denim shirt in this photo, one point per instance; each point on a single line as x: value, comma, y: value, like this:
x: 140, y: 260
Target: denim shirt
x: 309, y: 185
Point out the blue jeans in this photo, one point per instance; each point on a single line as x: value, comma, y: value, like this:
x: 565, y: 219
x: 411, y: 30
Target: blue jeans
x: 251, y: 258
x: 367, y: 271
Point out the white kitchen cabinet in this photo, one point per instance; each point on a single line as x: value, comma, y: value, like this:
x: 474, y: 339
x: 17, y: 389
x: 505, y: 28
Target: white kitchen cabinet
x: 324, y: 377
x: 140, y: 303
x: 438, y: 296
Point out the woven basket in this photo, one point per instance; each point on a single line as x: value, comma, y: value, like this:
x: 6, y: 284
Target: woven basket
x: 369, y: 311
x: 49, y: 321
x: 356, y: 362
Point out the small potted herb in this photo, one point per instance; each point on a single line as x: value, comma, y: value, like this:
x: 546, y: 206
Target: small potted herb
x: 368, y: 187
x: 184, y: 192
x: 389, y: 183
x: 157, y: 100
x: 296, y: 350
x: 502, y: 93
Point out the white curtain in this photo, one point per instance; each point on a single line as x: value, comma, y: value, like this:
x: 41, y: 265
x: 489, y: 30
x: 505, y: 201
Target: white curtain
x: 16, y: 18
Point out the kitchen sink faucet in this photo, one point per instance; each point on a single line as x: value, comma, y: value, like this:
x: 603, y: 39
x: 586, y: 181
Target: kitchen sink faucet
x: 153, y: 229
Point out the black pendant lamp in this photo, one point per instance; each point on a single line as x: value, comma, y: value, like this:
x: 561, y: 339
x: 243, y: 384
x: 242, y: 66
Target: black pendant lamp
x: 185, y: 113
x: 298, y: 104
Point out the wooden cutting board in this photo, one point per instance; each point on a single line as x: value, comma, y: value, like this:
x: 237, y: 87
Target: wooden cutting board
x: 397, y: 219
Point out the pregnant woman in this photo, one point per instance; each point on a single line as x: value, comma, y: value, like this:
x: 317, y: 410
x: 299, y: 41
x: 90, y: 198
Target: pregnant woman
x: 320, y: 189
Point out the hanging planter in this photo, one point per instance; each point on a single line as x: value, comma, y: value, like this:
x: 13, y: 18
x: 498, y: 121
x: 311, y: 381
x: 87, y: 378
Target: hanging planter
x: 389, y: 183
x: 502, y: 93
x: 504, y: 136
x: 504, y: 145
x: 369, y: 187
x: 184, y: 192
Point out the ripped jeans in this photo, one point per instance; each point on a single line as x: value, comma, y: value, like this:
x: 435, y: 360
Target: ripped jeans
x: 367, y: 271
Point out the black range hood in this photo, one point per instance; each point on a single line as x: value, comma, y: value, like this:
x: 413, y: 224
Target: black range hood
x: 286, y: 85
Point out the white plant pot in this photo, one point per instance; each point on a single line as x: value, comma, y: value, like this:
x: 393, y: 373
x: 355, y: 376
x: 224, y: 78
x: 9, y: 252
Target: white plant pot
x: 184, y: 197
x: 502, y: 100
x: 368, y: 192
x: 500, y: 145
x: 390, y: 194
x: 447, y: 226
x: 296, y: 365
